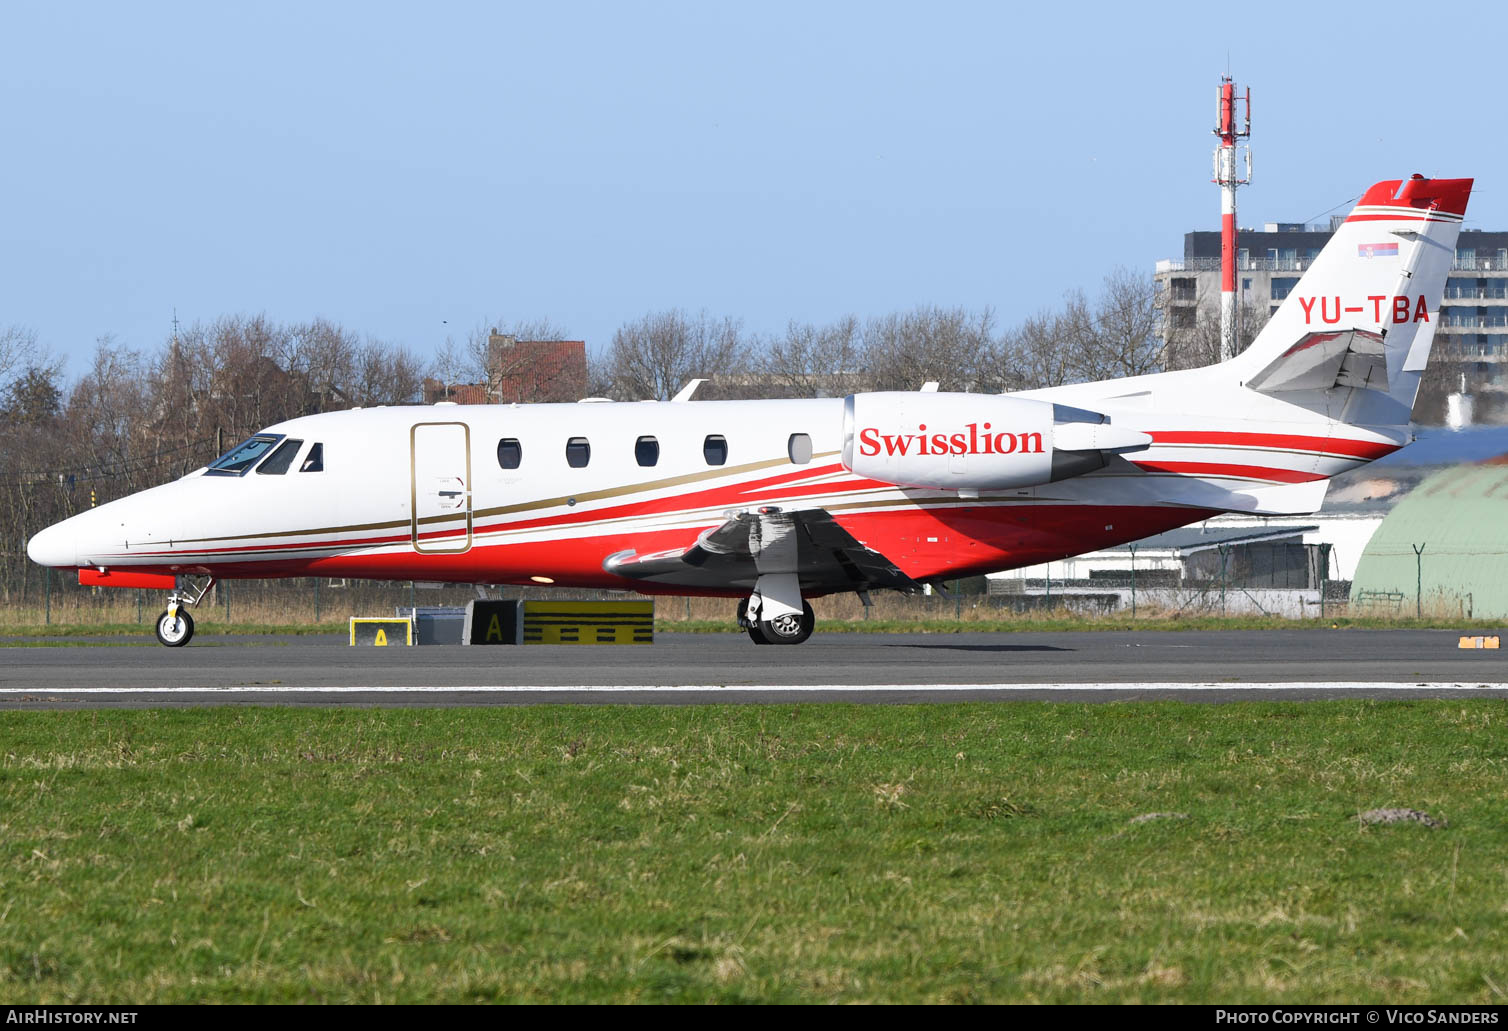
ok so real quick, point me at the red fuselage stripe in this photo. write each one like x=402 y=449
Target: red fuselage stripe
x=1366 y=449
x=1247 y=472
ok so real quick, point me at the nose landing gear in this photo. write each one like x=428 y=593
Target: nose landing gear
x=175 y=627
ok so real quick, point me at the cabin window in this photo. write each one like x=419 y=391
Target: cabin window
x=239 y=459
x=281 y=458
x=578 y=452
x=799 y=447
x=314 y=462
x=715 y=449
x=510 y=453
x=647 y=451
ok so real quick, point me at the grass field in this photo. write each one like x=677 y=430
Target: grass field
x=777 y=853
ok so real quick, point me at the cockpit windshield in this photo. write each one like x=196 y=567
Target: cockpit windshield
x=281 y=458
x=243 y=456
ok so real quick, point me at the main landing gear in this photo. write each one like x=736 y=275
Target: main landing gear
x=771 y=616
x=175 y=627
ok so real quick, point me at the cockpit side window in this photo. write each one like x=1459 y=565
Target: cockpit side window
x=281 y=458
x=314 y=462
x=239 y=459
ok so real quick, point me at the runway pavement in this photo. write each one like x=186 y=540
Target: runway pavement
x=701 y=668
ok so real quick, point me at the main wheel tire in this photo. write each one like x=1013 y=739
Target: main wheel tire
x=789 y=628
x=175 y=632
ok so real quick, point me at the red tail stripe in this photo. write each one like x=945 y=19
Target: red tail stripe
x=1367 y=449
x=1395 y=218
x=1419 y=194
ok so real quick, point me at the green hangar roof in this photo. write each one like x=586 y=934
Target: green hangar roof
x=1448 y=536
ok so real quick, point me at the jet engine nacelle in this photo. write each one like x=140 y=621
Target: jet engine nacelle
x=957 y=441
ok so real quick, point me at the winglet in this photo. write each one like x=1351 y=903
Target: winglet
x=687 y=391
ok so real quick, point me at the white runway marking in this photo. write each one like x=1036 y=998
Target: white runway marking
x=284 y=689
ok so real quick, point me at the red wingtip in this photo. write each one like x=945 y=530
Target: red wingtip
x=1448 y=195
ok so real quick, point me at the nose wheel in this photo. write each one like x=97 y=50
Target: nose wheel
x=175 y=628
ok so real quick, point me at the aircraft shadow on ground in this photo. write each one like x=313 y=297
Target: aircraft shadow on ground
x=987 y=647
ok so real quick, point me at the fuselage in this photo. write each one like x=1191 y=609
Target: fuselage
x=548 y=493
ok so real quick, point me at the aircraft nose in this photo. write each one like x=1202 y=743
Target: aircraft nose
x=55 y=546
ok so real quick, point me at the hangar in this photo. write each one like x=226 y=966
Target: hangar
x=1443 y=549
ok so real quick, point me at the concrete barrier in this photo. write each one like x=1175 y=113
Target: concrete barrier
x=381 y=632
x=492 y=622
x=588 y=622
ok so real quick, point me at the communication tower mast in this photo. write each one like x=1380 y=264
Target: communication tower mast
x=1225 y=175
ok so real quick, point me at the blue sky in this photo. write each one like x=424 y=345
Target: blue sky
x=415 y=170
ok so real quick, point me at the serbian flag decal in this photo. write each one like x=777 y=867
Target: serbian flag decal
x=1377 y=250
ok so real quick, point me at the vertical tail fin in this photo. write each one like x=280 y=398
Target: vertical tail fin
x=1365 y=313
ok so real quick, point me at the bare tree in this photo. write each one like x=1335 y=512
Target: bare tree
x=813 y=361
x=657 y=355
x=106 y=411
x=1119 y=334
x=18 y=349
x=1040 y=352
x=453 y=363
x=904 y=350
x=323 y=358
x=599 y=374
x=1196 y=343
x=1120 y=337
x=384 y=374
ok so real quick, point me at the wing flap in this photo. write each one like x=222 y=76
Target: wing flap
x=810 y=543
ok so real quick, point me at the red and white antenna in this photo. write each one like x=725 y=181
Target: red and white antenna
x=1225 y=175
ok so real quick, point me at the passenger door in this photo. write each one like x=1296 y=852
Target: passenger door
x=440 y=487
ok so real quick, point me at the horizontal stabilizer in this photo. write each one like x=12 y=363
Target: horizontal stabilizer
x=1323 y=361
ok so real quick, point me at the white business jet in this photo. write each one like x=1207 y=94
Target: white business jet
x=777 y=502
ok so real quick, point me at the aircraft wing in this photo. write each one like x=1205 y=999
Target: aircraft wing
x=809 y=543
